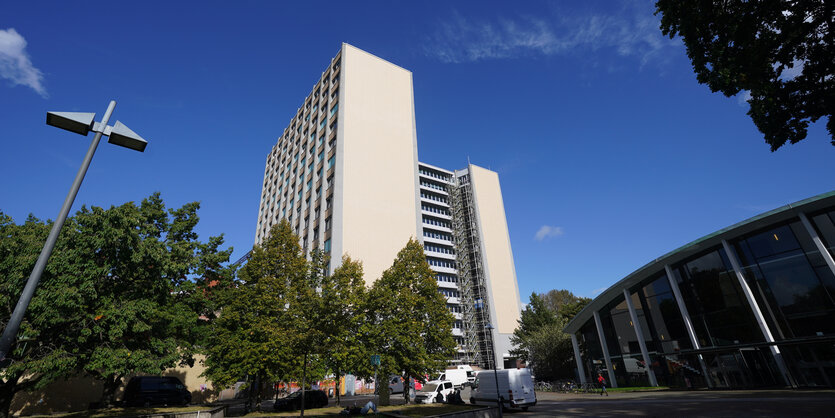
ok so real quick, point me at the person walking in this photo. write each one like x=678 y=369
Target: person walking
x=602 y=382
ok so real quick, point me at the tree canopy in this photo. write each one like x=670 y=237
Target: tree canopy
x=408 y=322
x=343 y=306
x=124 y=292
x=539 y=339
x=780 y=52
x=252 y=335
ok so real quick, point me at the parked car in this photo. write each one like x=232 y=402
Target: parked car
x=395 y=384
x=434 y=391
x=156 y=390
x=292 y=402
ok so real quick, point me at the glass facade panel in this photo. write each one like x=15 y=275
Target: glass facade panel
x=748 y=367
x=719 y=311
x=667 y=331
x=790 y=281
x=788 y=276
x=825 y=225
x=622 y=342
x=812 y=365
x=591 y=351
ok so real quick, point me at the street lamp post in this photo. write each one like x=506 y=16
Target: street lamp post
x=489 y=329
x=80 y=123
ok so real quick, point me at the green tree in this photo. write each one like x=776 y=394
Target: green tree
x=343 y=307
x=142 y=275
x=39 y=352
x=408 y=322
x=306 y=321
x=252 y=335
x=781 y=52
x=539 y=339
x=123 y=293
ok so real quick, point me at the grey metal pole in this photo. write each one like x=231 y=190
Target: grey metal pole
x=688 y=323
x=12 y=327
x=639 y=334
x=580 y=369
x=758 y=314
x=613 y=383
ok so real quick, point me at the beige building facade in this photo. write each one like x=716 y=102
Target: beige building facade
x=345 y=174
x=346 y=164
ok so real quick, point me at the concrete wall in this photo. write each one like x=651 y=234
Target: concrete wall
x=375 y=202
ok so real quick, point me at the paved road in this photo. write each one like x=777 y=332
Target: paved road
x=772 y=403
x=700 y=403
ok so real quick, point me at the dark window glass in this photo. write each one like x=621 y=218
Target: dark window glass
x=825 y=225
x=624 y=350
x=590 y=349
x=789 y=279
x=658 y=305
x=719 y=311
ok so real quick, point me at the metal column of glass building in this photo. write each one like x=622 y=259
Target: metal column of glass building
x=749 y=306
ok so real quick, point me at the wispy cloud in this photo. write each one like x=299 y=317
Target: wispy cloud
x=15 y=64
x=546 y=231
x=596 y=292
x=628 y=32
x=743 y=97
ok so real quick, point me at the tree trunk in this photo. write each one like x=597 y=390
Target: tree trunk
x=111 y=384
x=258 y=392
x=406 y=389
x=304 y=375
x=336 y=385
x=7 y=392
x=383 y=392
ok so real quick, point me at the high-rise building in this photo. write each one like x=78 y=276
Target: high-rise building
x=345 y=174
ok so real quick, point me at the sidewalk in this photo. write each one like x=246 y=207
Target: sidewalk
x=686 y=394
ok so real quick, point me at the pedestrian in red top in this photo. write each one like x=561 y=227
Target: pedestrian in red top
x=602 y=383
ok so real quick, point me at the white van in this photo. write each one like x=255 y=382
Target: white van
x=430 y=391
x=515 y=388
x=458 y=377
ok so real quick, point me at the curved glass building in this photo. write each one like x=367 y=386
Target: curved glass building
x=751 y=305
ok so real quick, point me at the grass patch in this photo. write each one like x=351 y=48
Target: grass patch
x=637 y=389
x=413 y=410
x=121 y=412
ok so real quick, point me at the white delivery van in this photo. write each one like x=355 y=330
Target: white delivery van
x=470 y=372
x=515 y=388
x=458 y=377
x=430 y=392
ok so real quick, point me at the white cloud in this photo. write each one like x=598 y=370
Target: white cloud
x=546 y=231
x=596 y=292
x=15 y=64
x=630 y=33
x=743 y=97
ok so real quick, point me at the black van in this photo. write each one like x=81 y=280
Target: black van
x=156 y=390
x=312 y=399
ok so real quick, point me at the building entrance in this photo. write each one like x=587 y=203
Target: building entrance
x=741 y=368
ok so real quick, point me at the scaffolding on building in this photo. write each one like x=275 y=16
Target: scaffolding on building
x=476 y=309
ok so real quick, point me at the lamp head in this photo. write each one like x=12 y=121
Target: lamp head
x=80 y=123
x=122 y=135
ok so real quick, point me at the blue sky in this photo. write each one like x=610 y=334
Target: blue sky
x=608 y=150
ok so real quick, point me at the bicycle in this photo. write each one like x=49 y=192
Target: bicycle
x=543 y=386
